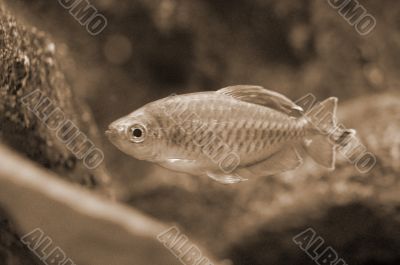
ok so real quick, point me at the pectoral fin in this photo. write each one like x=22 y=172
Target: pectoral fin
x=285 y=160
x=264 y=97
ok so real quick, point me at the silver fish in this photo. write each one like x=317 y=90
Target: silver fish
x=231 y=135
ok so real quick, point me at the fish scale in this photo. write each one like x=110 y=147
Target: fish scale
x=239 y=132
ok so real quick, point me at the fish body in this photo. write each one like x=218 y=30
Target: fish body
x=195 y=122
x=230 y=135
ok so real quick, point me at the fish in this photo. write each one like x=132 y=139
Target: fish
x=231 y=135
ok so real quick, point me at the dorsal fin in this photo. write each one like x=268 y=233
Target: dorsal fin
x=264 y=97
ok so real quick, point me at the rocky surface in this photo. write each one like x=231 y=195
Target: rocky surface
x=29 y=64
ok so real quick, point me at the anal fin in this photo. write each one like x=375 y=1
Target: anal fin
x=225 y=178
x=182 y=165
x=322 y=150
x=284 y=160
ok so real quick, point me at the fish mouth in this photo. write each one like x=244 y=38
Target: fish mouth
x=112 y=133
x=109 y=132
x=113 y=136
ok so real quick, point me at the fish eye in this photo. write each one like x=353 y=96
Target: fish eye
x=137 y=133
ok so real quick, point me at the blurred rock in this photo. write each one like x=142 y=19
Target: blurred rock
x=12 y=251
x=89 y=229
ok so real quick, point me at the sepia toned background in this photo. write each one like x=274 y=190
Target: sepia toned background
x=153 y=48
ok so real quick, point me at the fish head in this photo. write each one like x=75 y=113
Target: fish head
x=135 y=135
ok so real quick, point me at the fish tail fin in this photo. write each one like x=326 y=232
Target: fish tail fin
x=322 y=116
x=325 y=135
